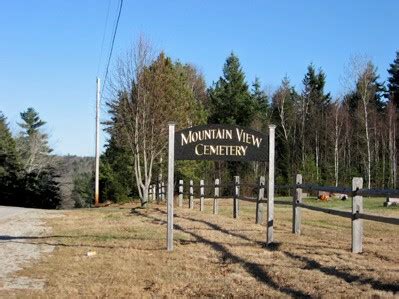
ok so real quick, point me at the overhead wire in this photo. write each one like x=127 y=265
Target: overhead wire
x=112 y=46
x=101 y=56
x=103 y=39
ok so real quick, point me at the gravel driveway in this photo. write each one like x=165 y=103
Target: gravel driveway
x=19 y=227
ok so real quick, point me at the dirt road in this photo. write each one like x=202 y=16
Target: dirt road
x=19 y=228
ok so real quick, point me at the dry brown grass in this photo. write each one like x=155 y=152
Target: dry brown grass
x=215 y=256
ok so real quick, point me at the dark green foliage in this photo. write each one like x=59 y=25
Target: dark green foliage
x=259 y=97
x=83 y=190
x=9 y=164
x=231 y=101
x=116 y=174
x=261 y=102
x=39 y=190
x=36 y=188
x=32 y=121
x=393 y=80
x=316 y=104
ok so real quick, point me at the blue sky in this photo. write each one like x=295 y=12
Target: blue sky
x=50 y=50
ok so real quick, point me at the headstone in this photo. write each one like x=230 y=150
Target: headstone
x=391 y=201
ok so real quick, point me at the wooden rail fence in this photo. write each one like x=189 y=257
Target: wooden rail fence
x=235 y=191
x=357 y=215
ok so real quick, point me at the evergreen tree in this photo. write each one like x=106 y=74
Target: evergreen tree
x=38 y=185
x=83 y=190
x=9 y=164
x=116 y=180
x=315 y=103
x=40 y=189
x=31 y=121
x=230 y=98
x=32 y=143
x=261 y=102
x=232 y=103
x=393 y=81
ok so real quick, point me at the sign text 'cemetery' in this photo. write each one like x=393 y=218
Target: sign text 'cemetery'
x=220 y=142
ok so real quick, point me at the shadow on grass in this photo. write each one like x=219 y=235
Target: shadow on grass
x=214 y=226
x=310 y=263
x=348 y=277
x=254 y=269
x=44 y=240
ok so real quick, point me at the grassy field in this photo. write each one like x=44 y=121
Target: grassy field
x=215 y=255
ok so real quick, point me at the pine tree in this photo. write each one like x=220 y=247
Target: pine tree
x=38 y=186
x=32 y=143
x=9 y=164
x=32 y=121
x=261 y=102
x=116 y=180
x=230 y=98
x=315 y=103
x=393 y=81
x=83 y=190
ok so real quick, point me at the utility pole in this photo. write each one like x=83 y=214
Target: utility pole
x=97 y=178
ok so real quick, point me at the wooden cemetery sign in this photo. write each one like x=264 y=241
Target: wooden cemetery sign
x=220 y=143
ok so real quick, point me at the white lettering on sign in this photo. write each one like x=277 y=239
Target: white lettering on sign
x=215 y=134
x=209 y=134
x=220 y=150
x=243 y=136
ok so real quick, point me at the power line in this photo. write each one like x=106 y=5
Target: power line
x=103 y=39
x=112 y=45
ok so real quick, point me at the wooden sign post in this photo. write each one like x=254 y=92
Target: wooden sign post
x=270 y=189
x=171 y=170
x=220 y=143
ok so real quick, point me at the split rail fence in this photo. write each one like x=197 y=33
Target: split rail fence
x=357 y=215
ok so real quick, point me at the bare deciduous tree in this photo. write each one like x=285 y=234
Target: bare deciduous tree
x=148 y=93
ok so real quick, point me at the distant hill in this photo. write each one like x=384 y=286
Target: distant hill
x=67 y=168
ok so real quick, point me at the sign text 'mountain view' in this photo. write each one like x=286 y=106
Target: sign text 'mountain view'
x=220 y=142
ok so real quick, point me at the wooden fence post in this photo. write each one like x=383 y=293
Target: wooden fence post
x=270 y=188
x=236 y=203
x=296 y=210
x=180 y=193
x=163 y=192
x=191 y=195
x=357 y=223
x=216 y=198
x=261 y=195
x=149 y=193
x=202 y=195
x=159 y=188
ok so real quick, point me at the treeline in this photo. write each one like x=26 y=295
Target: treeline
x=329 y=140
x=32 y=176
x=27 y=174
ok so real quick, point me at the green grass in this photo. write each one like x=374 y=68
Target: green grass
x=369 y=204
